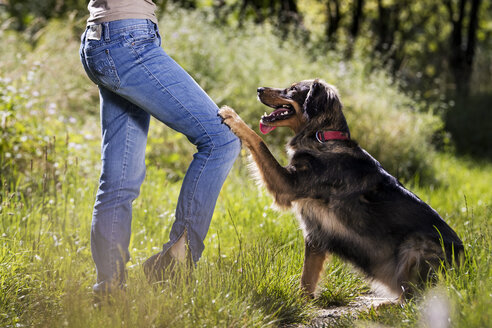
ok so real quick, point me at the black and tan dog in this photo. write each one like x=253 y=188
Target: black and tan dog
x=347 y=204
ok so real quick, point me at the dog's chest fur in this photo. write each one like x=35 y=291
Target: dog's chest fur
x=324 y=231
x=314 y=215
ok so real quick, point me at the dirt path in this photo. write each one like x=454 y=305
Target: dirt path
x=328 y=316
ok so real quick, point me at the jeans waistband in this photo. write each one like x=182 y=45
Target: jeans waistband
x=109 y=29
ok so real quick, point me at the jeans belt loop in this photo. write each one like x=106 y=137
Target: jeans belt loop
x=106 y=31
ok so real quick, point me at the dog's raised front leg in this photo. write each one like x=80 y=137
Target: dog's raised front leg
x=313 y=266
x=278 y=179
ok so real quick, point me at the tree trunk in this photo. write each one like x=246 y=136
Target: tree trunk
x=382 y=28
x=333 y=13
x=471 y=42
x=461 y=54
x=357 y=14
x=288 y=12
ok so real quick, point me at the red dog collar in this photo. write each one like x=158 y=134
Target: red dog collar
x=323 y=136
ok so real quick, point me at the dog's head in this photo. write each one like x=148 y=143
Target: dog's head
x=307 y=102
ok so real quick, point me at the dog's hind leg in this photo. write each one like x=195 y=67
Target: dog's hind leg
x=418 y=261
x=313 y=266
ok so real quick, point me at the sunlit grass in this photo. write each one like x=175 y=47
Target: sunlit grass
x=249 y=273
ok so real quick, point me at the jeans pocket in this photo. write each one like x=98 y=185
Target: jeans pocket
x=140 y=37
x=139 y=41
x=103 y=69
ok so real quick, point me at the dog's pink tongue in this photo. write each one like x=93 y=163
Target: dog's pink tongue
x=265 y=128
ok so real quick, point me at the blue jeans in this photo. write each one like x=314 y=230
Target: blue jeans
x=137 y=79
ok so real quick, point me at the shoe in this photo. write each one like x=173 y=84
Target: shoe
x=156 y=267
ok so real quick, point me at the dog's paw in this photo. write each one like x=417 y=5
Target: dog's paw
x=228 y=114
x=237 y=125
x=231 y=119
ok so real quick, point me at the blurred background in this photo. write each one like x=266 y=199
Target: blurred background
x=415 y=76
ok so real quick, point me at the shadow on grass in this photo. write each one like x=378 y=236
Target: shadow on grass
x=273 y=273
x=340 y=285
x=283 y=303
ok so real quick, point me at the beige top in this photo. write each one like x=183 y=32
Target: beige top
x=110 y=10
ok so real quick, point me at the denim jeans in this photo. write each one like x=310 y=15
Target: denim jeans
x=136 y=79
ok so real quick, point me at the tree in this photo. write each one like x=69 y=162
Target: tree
x=463 y=42
x=357 y=15
x=333 y=20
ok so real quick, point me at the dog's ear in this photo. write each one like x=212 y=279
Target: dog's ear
x=321 y=98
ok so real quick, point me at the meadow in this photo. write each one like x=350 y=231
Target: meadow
x=249 y=273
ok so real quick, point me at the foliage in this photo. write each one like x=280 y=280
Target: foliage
x=438 y=50
x=377 y=112
x=249 y=272
x=34 y=124
x=427 y=42
x=431 y=45
x=390 y=125
x=470 y=124
x=19 y=140
x=28 y=13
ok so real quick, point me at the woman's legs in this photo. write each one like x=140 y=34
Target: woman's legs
x=144 y=78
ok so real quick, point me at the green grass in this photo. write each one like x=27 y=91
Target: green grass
x=249 y=273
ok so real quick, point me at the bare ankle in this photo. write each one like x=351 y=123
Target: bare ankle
x=178 y=250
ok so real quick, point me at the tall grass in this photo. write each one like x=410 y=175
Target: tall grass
x=249 y=273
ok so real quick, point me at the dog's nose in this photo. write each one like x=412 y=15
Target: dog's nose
x=260 y=90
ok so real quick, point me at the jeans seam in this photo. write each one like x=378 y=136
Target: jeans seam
x=195 y=184
x=118 y=196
